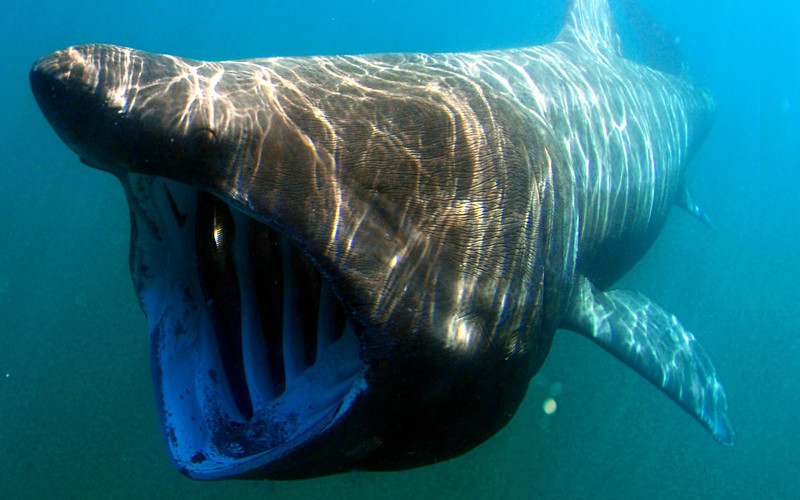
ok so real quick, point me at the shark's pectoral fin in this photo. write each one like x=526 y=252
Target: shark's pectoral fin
x=688 y=203
x=652 y=342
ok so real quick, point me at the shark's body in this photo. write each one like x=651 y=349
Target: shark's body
x=360 y=262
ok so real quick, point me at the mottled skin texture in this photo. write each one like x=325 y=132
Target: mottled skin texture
x=447 y=144
x=452 y=202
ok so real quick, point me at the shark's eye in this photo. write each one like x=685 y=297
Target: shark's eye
x=202 y=142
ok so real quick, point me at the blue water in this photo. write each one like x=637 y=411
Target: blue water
x=77 y=419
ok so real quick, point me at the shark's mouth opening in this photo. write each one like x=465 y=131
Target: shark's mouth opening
x=252 y=353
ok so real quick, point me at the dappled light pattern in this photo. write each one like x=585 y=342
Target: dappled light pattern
x=361 y=261
x=654 y=343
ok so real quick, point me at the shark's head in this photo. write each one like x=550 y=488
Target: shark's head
x=108 y=104
x=329 y=285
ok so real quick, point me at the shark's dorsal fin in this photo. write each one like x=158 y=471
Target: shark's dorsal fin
x=589 y=24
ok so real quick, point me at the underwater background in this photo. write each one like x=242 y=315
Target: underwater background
x=77 y=416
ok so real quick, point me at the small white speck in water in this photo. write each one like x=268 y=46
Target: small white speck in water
x=550 y=406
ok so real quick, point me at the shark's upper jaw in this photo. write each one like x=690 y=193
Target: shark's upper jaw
x=252 y=354
x=65 y=94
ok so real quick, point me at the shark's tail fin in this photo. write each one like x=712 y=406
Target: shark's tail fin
x=589 y=24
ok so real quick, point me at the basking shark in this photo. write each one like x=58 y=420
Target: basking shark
x=361 y=262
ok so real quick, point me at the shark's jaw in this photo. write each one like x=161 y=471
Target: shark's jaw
x=261 y=370
x=252 y=353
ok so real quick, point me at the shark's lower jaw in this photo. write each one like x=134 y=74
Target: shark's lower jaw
x=252 y=354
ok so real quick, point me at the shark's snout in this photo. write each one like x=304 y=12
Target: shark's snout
x=61 y=88
x=71 y=88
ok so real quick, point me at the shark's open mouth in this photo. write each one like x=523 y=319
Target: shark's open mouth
x=252 y=353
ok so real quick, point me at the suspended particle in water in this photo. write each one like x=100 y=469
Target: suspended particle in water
x=556 y=389
x=550 y=406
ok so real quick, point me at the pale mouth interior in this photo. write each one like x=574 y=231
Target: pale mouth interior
x=253 y=355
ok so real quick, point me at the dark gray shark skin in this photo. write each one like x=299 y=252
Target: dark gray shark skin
x=360 y=262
